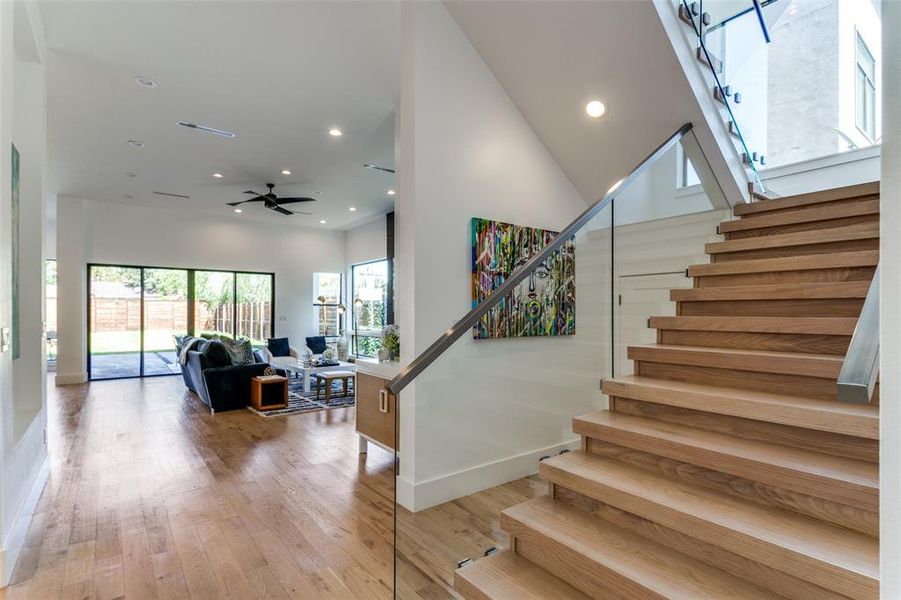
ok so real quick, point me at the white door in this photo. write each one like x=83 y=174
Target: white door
x=640 y=297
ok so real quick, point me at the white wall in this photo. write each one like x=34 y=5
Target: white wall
x=367 y=242
x=23 y=453
x=890 y=309
x=487 y=410
x=90 y=231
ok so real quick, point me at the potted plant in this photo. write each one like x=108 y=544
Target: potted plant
x=391 y=341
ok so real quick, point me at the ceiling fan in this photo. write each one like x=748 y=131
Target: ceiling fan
x=273 y=202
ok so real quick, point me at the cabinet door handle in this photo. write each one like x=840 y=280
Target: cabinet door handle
x=383 y=401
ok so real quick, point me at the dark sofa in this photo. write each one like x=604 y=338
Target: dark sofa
x=221 y=385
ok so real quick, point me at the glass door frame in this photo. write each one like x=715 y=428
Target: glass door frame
x=190 y=307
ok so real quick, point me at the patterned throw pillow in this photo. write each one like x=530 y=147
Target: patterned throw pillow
x=240 y=351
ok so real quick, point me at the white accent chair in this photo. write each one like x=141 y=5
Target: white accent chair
x=296 y=354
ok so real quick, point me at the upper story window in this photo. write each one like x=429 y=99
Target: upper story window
x=865 y=88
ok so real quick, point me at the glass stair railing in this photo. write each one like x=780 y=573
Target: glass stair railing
x=732 y=37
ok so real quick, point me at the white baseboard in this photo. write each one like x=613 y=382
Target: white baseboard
x=15 y=539
x=426 y=494
x=71 y=378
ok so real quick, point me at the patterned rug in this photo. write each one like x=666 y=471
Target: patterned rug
x=300 y=402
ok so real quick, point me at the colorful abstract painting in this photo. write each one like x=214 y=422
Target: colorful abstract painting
x=544 y=304
x=15 y=252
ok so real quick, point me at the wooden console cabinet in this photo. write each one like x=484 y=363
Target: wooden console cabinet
x=376 y=411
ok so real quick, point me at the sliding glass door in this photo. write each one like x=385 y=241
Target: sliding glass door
x=165 y=316
x=114 y=322
x=135 y=313
x=214 y=303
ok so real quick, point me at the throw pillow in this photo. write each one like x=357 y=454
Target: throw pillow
x=217 y=354
x=316 y=344
x=241 y=351
x=278 y=346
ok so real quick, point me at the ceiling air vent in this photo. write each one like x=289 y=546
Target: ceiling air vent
x=173 y=195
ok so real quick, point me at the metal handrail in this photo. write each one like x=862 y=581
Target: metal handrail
x=860 y=369
x=447 y=339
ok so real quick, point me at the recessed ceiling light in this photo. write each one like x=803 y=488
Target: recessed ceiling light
x=213 y=130
x=335 y=132
x=323 y=221
x=595 y=109
x=145 y=81
x=218 y=175
x=238 y=210
x=352 y=209
x=135 y=144
x=318 y=192
x=390 y=192
x=286 y=172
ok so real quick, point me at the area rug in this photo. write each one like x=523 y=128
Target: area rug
x=300 y=402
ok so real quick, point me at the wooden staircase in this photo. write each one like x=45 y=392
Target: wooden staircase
x=725 y=467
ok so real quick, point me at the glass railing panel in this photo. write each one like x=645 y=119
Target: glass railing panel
x=800 y=79
x=476 y=422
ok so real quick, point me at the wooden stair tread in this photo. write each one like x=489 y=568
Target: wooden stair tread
x=861 y=231
x=656 y=571
x=825 y=366
x=802 y=325
x=506 y=576
x=782 y=291
x=841 y=193
x=807 y=214
x=843 y=480
x=831 y=556
x=859 y=420
x=837 y=260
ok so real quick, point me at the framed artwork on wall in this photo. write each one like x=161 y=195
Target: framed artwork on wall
x=14 y=213
x=544 y=304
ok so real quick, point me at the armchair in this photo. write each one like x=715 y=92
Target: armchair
x=294 y=354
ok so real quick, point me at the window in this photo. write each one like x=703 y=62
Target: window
x=327 y=303
x=369 y=283
x=865 y=87
x=50 y=294
x=685 y=171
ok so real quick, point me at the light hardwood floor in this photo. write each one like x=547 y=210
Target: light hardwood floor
x=151 y=497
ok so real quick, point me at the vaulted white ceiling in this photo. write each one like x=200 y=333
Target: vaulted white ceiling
x=278 y=74
x=552 y=57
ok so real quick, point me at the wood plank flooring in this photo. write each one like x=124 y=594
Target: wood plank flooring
x=151 y=497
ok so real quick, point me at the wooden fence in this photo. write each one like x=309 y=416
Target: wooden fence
x=124 y=314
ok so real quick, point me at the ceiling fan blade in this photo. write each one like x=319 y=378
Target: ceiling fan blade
x=252 y=192
x=257 y=199
x=293 y=200
x=279 y=209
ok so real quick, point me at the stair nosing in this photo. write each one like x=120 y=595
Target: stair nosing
x=831 y=290
x=839 y=326
x=859 y=190
x=842 y=260
x=797 y=216
x=823 y=366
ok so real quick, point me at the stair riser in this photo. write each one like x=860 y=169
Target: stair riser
x=762 y=493
x=809 y=387
x=731 y=540
x=809 y=439
x=587 y=576
x=736 y=474
x=796 y=227
x=778 y=342
x=779 y=582
x=808 y=276
x=805 y=250
x=843 y=307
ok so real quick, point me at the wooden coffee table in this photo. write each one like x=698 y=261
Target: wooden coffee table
x=309 y=372
x=328 y=376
